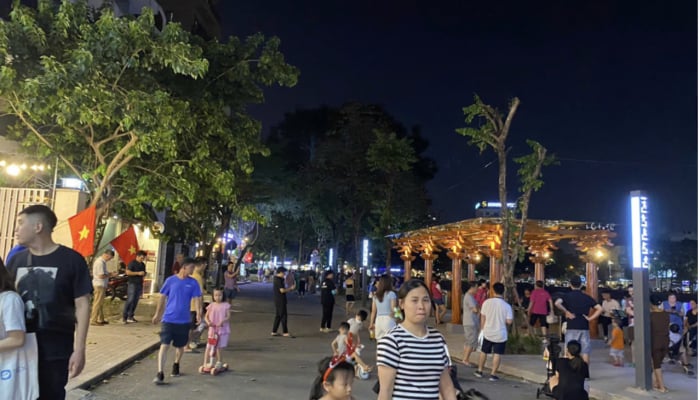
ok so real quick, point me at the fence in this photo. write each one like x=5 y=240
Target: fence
x=12 y=201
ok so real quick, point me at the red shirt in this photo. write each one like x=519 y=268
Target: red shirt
x=539 y=299
x=481 y=295
x=437 y=293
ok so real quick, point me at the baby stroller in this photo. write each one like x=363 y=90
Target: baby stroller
x=551 y=355
x=676 y=349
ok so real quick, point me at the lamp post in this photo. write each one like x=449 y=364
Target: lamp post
x=639 y=212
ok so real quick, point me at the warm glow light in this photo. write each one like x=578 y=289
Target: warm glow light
x=12 y=170
x=599 y=254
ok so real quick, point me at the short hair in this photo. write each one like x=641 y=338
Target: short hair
x=6 y=282
x=141 y=253
x=539 y=284
x=481 y=282
x=344 y=325
x=188 y=261
x=575 y=282
x=362 y=314
x=46 y=214
x=110 y=252
x=499 y=288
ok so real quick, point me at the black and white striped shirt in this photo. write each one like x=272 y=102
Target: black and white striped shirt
x=418 y=361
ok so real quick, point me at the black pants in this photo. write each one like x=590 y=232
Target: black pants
x=605 y=321
x=280 y=316
x=53 y=376
x=327 y=315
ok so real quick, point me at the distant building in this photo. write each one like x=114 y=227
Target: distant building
x=490 y=209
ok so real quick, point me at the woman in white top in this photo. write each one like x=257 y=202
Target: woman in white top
x=18 y=350
x=383 y=305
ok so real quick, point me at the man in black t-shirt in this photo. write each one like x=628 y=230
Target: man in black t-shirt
x=135 y=272
x=576 y=305
x=54 y=282
x=279 y=292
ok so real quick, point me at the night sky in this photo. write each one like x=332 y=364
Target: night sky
x=609 y=87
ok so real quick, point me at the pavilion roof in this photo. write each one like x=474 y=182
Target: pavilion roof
x=483 y=234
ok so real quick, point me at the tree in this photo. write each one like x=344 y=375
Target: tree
x=140 y=115
x=491 y=132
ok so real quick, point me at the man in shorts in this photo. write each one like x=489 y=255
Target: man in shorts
x=576 y=306
x=537 y=310
x=176 y=294
x=496 y=315
x=470 y=323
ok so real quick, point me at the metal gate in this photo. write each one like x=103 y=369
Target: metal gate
x=12 y=201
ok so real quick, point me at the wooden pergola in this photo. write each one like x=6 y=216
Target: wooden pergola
x=469 y=239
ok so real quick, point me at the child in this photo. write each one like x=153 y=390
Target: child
x=345 y=345
x=217 y=318
x=334 y=380
x=356 y=324
x=617 y=344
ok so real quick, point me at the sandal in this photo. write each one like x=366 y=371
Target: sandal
x=664 y=390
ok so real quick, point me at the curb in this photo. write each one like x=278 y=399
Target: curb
x=81 y=392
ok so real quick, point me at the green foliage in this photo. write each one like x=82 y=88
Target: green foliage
x=521 y=344
x=140 y=115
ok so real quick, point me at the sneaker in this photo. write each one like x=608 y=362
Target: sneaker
x=478 y=374
x=322 y=330
x=131 y=321
x=124 y=322
x=176 y=370
x=159 y=379
x=493 y=378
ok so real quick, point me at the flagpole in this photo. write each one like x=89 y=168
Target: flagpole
x=53 y=187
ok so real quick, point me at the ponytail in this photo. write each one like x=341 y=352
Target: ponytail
x=574 y=349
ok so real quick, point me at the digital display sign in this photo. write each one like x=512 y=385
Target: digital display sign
x=639 y=205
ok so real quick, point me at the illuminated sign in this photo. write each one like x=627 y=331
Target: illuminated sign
x=330 y=257
x=492 y=204
x=365 y=252
x=640 y=230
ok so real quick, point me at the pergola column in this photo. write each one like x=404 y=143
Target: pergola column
x=456 y=286
x=428 y=259
x=407 y=260
x=472 y=260
x=495 y=269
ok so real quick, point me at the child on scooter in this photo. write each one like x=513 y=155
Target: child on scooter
x=217 y=318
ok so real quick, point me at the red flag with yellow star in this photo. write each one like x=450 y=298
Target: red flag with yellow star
x=82 y=231
x=126 y=245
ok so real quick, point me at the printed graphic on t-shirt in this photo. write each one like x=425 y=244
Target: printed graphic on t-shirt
x=36 y=285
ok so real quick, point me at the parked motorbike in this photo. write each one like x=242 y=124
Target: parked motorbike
x=117 y=287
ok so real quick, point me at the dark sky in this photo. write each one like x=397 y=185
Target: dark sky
x=609 y=87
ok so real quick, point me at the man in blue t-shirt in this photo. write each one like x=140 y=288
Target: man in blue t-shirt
x=576 y=305
x=176 y=294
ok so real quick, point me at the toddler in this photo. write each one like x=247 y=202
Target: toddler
x=617 y=344
x=334 y=380
x=345 y=345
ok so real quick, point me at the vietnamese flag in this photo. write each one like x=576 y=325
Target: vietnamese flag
x=82 y=231
x=126 y=245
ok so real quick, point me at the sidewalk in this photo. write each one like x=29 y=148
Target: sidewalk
x=607 y=382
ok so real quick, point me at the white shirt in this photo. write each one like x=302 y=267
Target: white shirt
x=99 y=267
x=496 y=311
x=355 y=327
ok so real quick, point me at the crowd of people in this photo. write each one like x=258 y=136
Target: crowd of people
x=47 y=334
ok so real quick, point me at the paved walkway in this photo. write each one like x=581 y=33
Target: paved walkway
x=114 y=346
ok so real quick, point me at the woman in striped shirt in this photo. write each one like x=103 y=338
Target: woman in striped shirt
x=412 y=359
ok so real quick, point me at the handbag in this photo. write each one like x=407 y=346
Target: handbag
x=19 y=376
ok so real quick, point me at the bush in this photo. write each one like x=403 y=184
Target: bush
x=521 y=344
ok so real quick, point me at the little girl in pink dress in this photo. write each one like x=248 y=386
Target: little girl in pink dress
x=217 y=319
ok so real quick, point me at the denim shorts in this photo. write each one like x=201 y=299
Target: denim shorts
x=580 y=335
x=177 y=334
